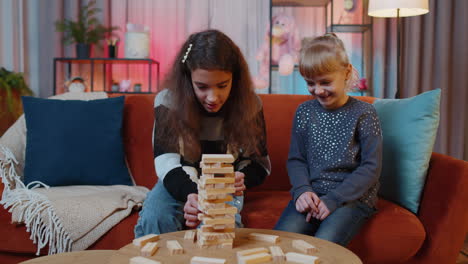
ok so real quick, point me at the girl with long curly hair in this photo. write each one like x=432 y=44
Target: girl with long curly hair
x=209 y=106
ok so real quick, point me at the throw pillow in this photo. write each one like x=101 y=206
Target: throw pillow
x=15 y=137
x=409 y=128
x=75 y=142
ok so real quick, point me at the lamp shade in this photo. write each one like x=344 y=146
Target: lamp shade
x=388 y=8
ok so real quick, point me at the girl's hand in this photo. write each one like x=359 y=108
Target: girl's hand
x=323 y=212
x=191 y=211
x=307 y=202
x=239 y=183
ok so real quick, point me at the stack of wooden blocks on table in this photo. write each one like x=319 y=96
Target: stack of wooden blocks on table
x=215 y=186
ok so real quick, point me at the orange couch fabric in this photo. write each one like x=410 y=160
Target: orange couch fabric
x=393 y=235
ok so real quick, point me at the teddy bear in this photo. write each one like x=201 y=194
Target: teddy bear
x=285 y=46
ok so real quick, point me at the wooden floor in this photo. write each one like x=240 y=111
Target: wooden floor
x=463 y=257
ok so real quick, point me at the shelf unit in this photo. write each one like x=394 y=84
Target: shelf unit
x=104 y=63
x=360 y=29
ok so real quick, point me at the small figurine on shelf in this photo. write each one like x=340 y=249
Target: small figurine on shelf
x=125 y=85
x=137 y=87
x=115 y=87
x=76 y=85
x=112 y=47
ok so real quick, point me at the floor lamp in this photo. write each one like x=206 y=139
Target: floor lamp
x=398 y=9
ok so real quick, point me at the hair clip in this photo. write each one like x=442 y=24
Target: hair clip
x=187 y=53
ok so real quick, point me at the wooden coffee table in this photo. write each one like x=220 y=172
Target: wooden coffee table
x=78 y=257
x=328 y=252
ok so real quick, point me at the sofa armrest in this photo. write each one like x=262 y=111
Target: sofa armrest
x=443 y=210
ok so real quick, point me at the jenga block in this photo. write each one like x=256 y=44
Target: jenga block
x=217 y=221
x=149 y=249
x=220 y=191
x=223 y=196
x=228 y=198
x=303 y=246
x=202 y=241
x=141 y=241
x=204 y=260
x=253 y=251
x=220 y=227
x=229 y=209
x=217 y=235
x=190 y=235
x=215 y=158
x=221 y=170
x=264 y=237
x=203 y=205
x=277 y=254
x=254 y=259
x=205 y=181
x=142 y=260
x=174 y=247
x=210 y=228
x=301 y=258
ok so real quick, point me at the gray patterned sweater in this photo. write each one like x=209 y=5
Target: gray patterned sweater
x=336 y=153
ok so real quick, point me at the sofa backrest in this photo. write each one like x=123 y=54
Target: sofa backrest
x=279 y=110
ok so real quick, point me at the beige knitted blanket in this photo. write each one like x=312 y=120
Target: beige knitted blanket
x=67 y=218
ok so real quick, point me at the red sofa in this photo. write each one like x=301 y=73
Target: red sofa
x=393 y=235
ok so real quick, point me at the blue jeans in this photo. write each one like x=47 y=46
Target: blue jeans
x=339 y=227
x=161 y=213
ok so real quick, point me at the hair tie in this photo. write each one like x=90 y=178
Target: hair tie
x=187 y=53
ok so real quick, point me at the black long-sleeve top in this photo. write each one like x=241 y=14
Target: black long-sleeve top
x=175 y=171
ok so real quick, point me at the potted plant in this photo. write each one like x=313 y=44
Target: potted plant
x=12 y=87
x=84 y=32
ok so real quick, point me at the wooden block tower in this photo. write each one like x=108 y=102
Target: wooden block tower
x=214 y=188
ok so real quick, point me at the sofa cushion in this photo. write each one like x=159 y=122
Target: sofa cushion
x=75 y=142
x=393 y=235
x=409 y=128
x=262 y=209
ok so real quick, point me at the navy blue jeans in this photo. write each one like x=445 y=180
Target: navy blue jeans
x=339 y=227
x=161 y=213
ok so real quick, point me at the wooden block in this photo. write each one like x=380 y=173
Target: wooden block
x=211 y=228
x=214 y=158
x=141 y=241
x=229 y=209
x=253 y=251
x=217 y=235
x=149 y=249
x=301 y=258
x=303 y=246
x=223 y=227
x=205 y=181
x=174 y=247
x=204 y=260
x=277 y=254
x=264 y=237
x=214 y=197
x=142 y=260
x=203 y=205
x=228 y=198
x=254 y=259
x=217 y=221
x=222 y=170
x=190 y=235
x=205 y=242
x=220 y=191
